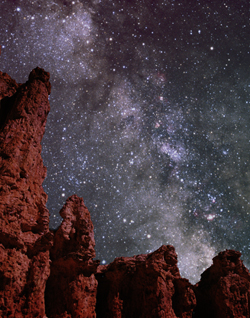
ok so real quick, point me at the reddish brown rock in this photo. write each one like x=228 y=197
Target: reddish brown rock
x=147 y=286
x=8 y=86
x=224 y=288
x=76 y=233
x=72 y=286
x=24 y=219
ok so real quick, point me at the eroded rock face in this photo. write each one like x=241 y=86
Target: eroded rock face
x=72 y=286
x=8 y=86
x=76 y=233
x=147 y=286
x=24 y=218
x=224 y=288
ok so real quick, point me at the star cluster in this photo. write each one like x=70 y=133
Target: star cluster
x=149 y=119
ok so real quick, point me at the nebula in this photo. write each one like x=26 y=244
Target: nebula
x=148 y=123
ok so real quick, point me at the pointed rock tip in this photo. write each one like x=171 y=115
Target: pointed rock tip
x=42 y=75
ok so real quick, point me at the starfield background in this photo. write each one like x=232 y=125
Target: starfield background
x=149 y=119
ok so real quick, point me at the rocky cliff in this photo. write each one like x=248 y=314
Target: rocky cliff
x=24 y=219
x=46 y=273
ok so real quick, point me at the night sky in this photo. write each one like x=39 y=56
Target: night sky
x=149 y=119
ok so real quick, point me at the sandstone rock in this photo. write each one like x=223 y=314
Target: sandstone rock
x=224 y=288
x=72 y=286
x=76 y=233
x=8 y=86
x=24 y=219
x=144 y=286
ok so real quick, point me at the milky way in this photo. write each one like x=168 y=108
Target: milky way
x=149 y=119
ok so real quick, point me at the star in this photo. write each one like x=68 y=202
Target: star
x=149 y=120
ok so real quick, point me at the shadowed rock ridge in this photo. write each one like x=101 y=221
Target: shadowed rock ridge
x=47 y=273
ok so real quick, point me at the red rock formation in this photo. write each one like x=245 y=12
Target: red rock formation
x=8 y=86
x=24 y=219
x=224 y=288
x=72 y=286
x=34 y=263
x=147 y=286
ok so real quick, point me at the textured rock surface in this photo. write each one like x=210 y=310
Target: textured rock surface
x=24 y=219
x=224 y=288
x=52 y=273
x=8 y=86
x=75 y=236
x=72 y=286
x=144 y=286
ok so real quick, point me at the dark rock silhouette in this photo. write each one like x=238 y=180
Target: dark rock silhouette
x=224 y=288
x=51 y=274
